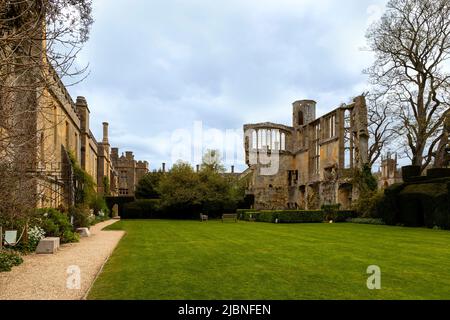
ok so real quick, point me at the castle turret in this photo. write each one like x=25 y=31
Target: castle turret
x=304 y=112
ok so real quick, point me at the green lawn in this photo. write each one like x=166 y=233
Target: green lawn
x=214 y=260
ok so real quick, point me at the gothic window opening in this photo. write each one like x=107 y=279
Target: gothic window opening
x=283 y=141
x=300 y=118
x=316 y=149
x=348 y=143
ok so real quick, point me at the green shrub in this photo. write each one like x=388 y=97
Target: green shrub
x=409 y=172
x=143 y=209
x=344 y=215
x=419 y=204
x=293 y=216
x=387 y=207
x=266 y=216
x=330 y=211
x=81 y=216
x=367 y=203
x=242 y=213
x=99 y=219
x=9 y=259
x=98 y=204
x=57 y=224
x=247 y=214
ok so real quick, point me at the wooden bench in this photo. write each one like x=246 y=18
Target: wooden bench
x=230 y=216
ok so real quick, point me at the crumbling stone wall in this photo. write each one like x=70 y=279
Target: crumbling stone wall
x=310 y=163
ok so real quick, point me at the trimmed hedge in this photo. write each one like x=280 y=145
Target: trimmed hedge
x=345 y=215
x=293 y=216
x=142 y=209
x=417 y=204
x=308 y=216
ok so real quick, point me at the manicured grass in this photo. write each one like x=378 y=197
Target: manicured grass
x=214 y=260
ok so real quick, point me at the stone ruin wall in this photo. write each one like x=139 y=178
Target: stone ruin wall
x=316 y=158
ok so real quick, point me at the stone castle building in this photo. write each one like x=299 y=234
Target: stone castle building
x=68 y=131
x=389 y=172
x=310 y=163
x=60 y=129
x=42 y=130
x=129 y=171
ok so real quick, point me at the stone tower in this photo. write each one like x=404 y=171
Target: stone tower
x=304 y=112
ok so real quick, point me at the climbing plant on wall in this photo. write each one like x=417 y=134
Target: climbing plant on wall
x=84 y=183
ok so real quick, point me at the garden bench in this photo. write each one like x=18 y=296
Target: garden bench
x=203 y=217
x=230 y=216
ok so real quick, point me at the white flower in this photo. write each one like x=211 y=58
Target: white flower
x=36 y=233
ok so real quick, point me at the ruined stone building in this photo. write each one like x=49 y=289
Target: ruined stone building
x=129 y=171
x=309 y=163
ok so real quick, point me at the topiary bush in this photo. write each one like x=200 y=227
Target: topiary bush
x=9 y=259
x=387 y=207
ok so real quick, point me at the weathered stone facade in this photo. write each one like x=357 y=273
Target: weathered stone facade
x=129 y=171
x=309 y=163
x=67 y=130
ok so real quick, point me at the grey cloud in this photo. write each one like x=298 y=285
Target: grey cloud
x=161 y=65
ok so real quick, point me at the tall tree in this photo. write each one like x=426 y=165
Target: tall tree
x=212 y=160
x=411 y=43
x=380 y=120
x=147 y=187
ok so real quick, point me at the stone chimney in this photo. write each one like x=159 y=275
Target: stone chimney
x=105 y=133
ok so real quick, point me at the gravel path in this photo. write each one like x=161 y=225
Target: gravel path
x=44 y=277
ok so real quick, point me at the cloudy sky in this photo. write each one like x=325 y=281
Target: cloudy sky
x=161 y=71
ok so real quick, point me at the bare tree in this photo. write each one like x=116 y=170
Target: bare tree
x=412 y=43
x=39 y=43
x=380 y=121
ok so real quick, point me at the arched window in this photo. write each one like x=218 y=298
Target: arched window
x=254 y=140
